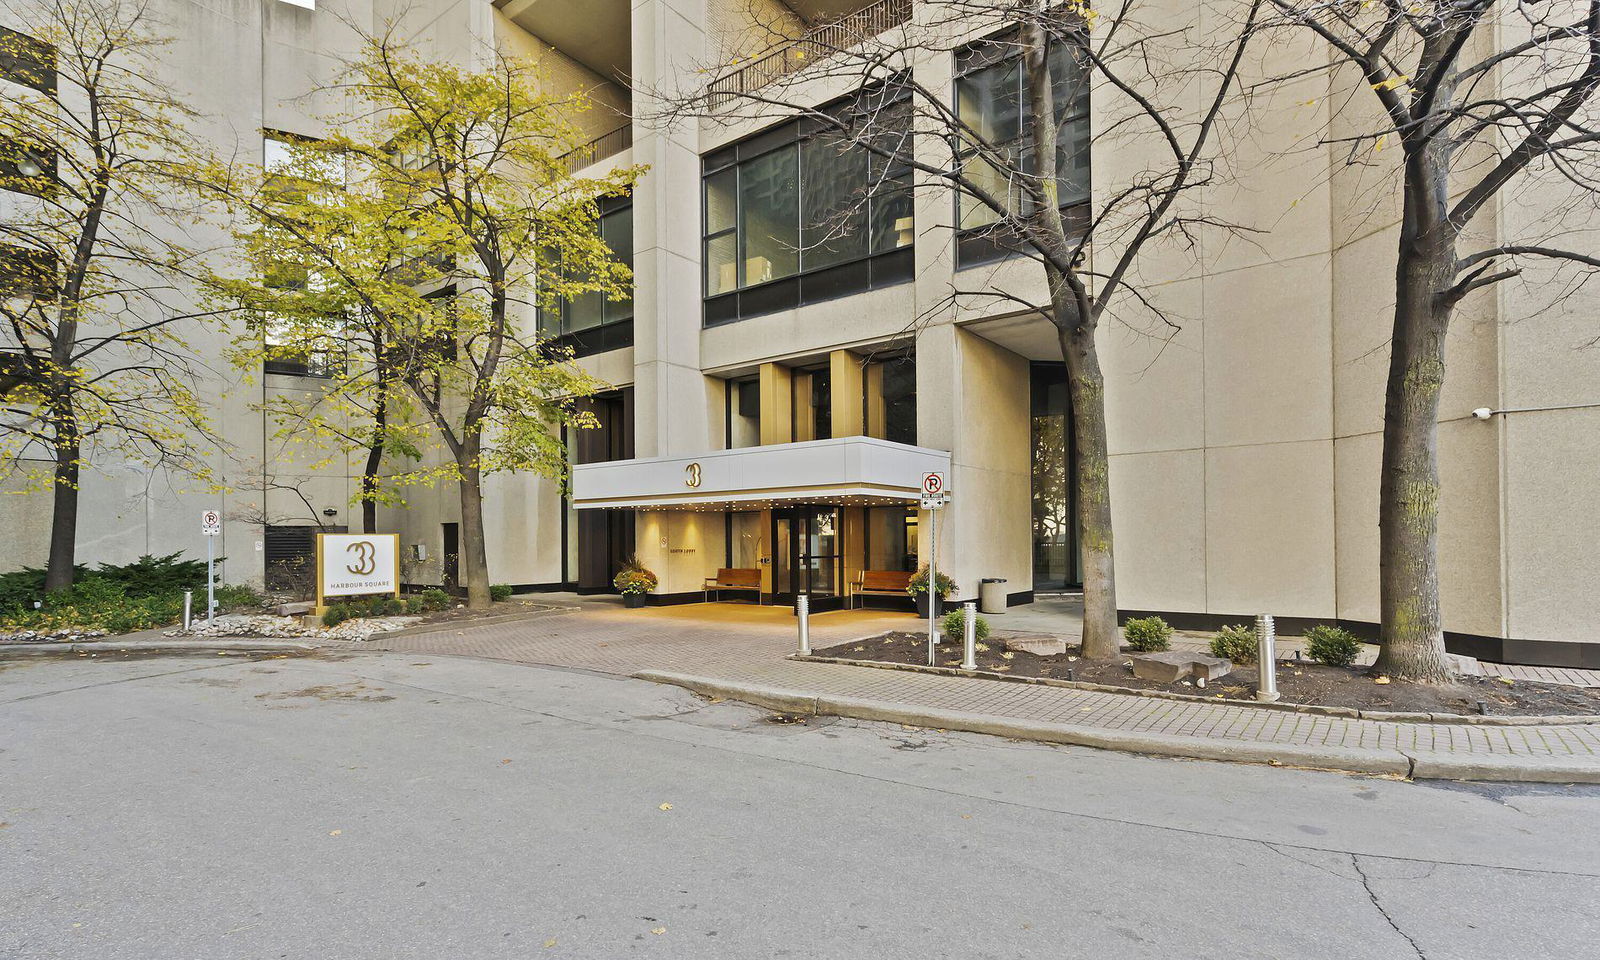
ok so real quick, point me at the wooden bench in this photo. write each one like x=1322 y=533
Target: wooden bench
x=881 y=583
x=733 y=579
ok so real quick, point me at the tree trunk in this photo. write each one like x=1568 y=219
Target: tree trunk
x=63 y=514
x=1412 y=630
x=369 y=487
x=1086 y=387
x=474 y=558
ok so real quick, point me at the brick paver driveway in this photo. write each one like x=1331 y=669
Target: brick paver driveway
x=599 y=634
x=745 y=644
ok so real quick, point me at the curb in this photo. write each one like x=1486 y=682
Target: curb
x=10 y=650
x=1290 y=706
x=1376 y=762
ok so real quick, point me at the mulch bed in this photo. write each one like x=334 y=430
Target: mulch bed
x=1352 y=688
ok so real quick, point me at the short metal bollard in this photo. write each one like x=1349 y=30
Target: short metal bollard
x=969 y=655
x=802 y=612
x=188 y=609
x=1267 y=658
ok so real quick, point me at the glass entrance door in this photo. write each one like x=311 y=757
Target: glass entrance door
x=809 y=558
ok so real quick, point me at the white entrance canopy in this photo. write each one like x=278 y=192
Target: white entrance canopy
x=847 y=470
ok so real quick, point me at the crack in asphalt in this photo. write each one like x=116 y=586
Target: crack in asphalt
x=112 y=683
x=1366 y=884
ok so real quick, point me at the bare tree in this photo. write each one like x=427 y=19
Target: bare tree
x=1478 y=95
x=1024 y=186
x=92 y=154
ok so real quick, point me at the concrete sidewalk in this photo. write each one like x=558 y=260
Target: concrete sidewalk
x=725 y=652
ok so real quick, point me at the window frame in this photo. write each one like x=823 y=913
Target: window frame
x=991 y=242
x=608 y=334
x=807 y=285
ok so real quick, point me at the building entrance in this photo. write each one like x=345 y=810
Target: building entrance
x=808 y=556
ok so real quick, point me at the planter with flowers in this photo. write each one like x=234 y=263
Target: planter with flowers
x=635 y=583
x=918 y=588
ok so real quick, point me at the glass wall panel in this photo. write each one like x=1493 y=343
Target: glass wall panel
x=892 y=226
x=722 y=264
x=1055 y=542
x=617 y=231
x=722 y=203
x=833 y=213
x=891 y=538
x=769 y=203
x=747 y=540
x=992 y=100
x=900 y=400
x=809 y=203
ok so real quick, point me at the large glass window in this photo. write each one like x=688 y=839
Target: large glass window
x=592 y=322
x=28 y=61
x=891 y=396
x=805 y=212
x=1055 y=507
x=813 y=404
x=891 y=538
x=992 y=101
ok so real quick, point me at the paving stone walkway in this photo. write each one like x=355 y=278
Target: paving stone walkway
x=750 y=647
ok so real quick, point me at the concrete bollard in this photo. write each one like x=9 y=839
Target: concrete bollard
x=802 y=613
x=1267 y=658
x=969 y=655
x=188 y=609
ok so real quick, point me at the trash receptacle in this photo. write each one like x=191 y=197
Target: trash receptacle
x=992 y=595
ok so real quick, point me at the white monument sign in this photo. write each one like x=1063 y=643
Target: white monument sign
x=357 y=564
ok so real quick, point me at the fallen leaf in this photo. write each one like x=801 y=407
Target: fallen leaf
x=666 y=806
x=1380 y=680
x=334 y=833
x=658 y=931
x=966 y=816
x=549 y=943
x=505 y=761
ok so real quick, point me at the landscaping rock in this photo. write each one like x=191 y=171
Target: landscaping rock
x=294 y=609
x=1170 y=666
x=290 y=628
x=63 y=635
x=1038 y=646
x=1464 y=666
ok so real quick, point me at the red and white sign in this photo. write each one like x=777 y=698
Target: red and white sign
x=933 y=484
x=210 y=523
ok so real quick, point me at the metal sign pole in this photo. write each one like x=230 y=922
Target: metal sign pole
x=211 y=578
x=933 y=582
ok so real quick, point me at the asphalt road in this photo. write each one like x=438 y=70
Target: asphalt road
x=396 y=806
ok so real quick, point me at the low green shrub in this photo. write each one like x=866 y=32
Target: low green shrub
x=499 y=592
x=1236 y=643
x=1148 y=634
x=954 y=627
x=1334 y=646
x=337 y=614
x=432 y=599
x=235 y=596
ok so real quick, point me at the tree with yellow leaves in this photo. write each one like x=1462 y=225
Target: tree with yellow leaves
x=95 y=164
x=411 y=247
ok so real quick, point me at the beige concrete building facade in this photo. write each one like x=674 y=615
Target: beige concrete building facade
x=775 y=397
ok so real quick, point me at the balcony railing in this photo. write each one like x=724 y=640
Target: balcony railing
x=601 y=147
x=818 y=44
